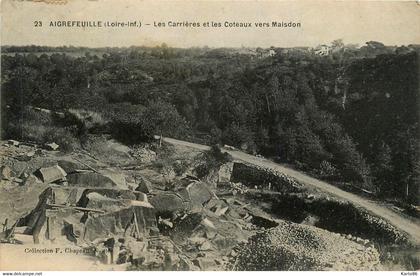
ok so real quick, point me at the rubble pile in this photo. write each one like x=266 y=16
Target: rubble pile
x=143 y=154
x=293 y=246
x=14 y=160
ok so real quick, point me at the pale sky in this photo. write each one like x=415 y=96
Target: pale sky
x=391 y=22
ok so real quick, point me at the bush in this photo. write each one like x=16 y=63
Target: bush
x=42 y=134
x=87 y=121
x=41 y=128
x=64 y=137
x=326 y=169
x=211 y=160
x=180 y=167
x=220 y=157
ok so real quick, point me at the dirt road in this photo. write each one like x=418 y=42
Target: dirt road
x=410 y=227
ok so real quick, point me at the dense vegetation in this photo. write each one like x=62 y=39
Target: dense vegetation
x=350 y=116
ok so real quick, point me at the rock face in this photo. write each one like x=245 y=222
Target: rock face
x=51 y=174
x=191 y=198
x=104 y=178
x=169 y=202
x=113 y=212
x=90 y=179
x=116 y=223
x=293 y=246
x=225 y=172
x=198 y=194
x=263 y=178
x=71 y=166
x=144 y=186
x=6 y=172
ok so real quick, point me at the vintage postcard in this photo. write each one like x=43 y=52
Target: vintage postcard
x=210 y=136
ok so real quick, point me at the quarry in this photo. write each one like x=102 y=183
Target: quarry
x=172 y=207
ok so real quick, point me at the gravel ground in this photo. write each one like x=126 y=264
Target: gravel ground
x=293 y=246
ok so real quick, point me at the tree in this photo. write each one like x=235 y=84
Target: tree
x=337 y=44
x=161 y=118
x=382 y=168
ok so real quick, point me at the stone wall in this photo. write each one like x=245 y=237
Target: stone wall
x=254 y=176
x=335 y=216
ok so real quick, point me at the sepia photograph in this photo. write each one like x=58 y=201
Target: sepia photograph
x=210 y=136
